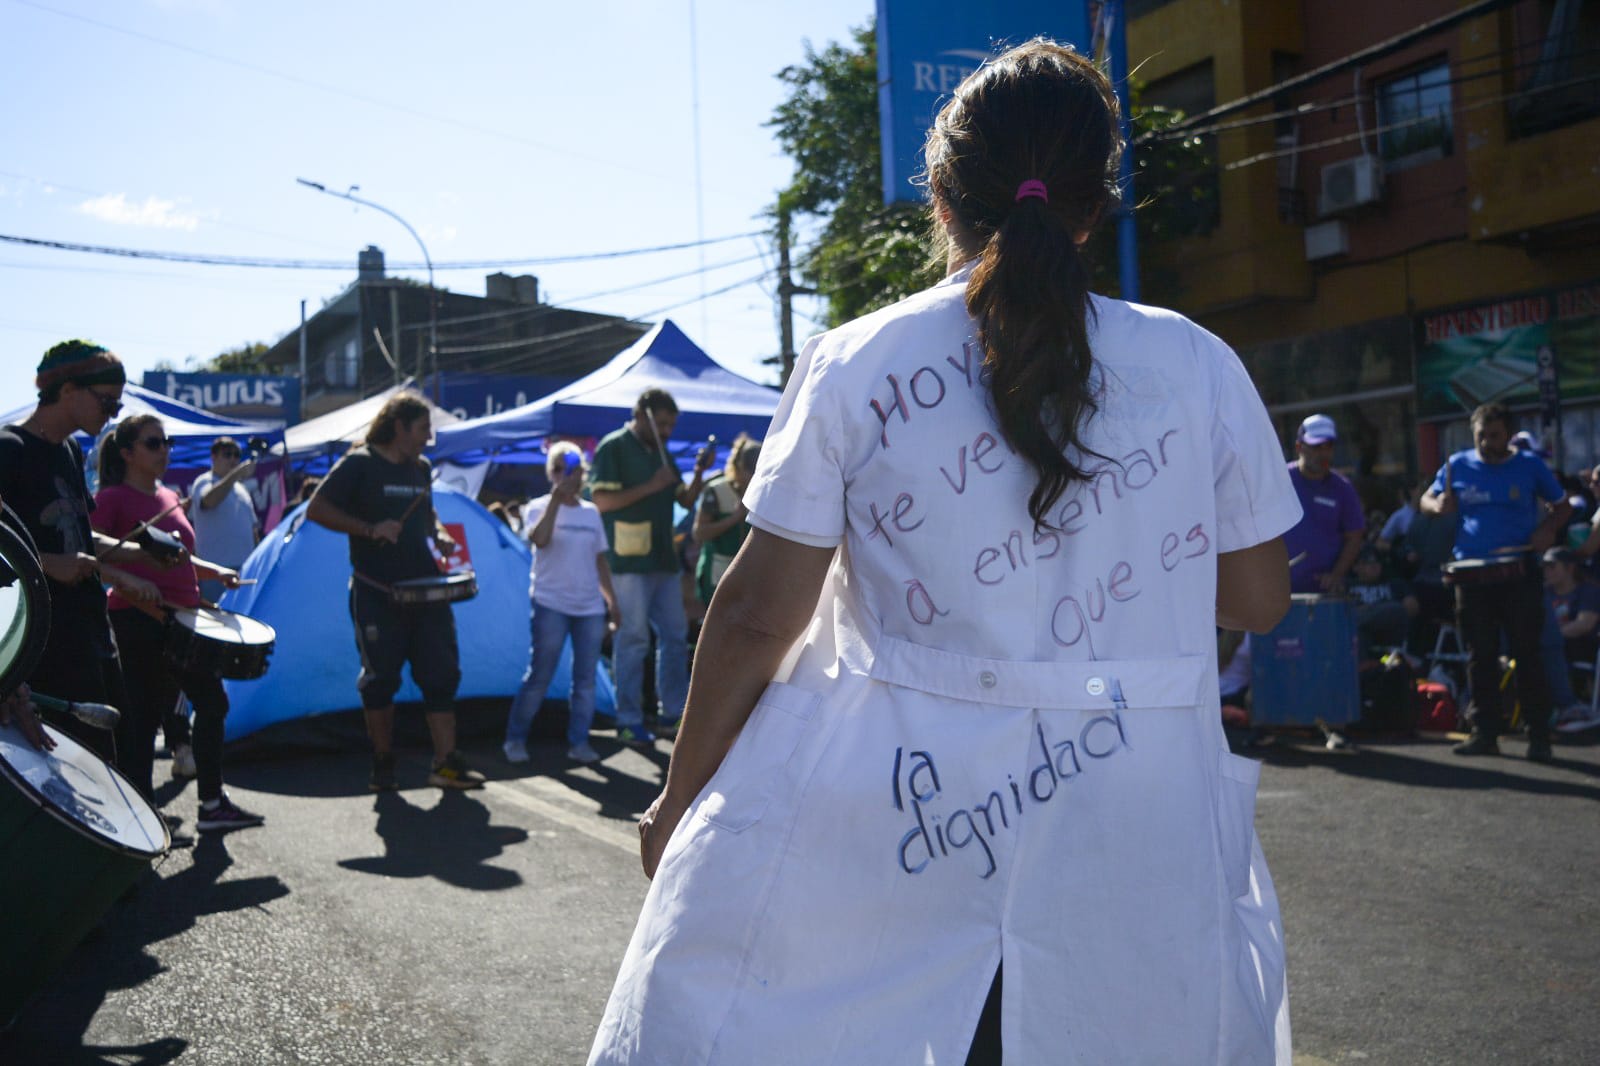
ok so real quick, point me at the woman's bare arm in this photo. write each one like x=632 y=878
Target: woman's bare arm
x=1253 y=587
x=761 y=607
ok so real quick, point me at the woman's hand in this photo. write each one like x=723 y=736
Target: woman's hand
x=655 y=829
x=131 y=588
x=229 y=578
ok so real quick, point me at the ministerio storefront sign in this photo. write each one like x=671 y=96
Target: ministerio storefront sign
x=926 y=49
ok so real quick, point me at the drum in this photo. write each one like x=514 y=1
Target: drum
x=1482 y=571
x=77 y=836
x=214 y=641
x=446 y=588
x=1305 y=670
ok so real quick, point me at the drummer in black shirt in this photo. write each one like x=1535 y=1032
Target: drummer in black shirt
x=41 y=480
x=380 y=496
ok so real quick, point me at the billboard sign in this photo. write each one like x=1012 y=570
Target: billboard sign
x=251 y=397
x=1539 y=349
x=926 y=49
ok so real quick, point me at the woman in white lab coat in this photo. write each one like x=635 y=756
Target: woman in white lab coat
x=955 y=712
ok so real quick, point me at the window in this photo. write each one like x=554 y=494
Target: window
x=1414 y=121
x=341 y=366
x=1183 y=174
x=1558 y=73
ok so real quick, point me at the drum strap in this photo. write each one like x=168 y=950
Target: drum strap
x=387 y=590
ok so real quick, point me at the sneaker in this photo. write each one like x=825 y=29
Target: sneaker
x=667 y=728
x=516 y=751
x=1539 y=750
x=225 y=815
x=382 y=779
x=183 y=763
x=454 y=772
x=583 y=754
x=1478 y=744
x=635 y=736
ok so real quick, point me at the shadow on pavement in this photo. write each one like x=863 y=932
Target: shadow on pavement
x=1426 y=769
x=451 y=841
x=52 y=1025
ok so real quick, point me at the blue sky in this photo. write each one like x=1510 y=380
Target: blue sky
x=498 y=130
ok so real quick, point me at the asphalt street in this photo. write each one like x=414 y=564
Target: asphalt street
x=1438 y=910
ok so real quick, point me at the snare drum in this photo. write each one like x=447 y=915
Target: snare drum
x=211 y=640
x=446 y=588
x=1482 y=571
x=76 y=836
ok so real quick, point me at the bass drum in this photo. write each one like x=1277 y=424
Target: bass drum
x=76 y=836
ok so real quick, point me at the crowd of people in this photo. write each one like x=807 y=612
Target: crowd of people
x=1494 y=545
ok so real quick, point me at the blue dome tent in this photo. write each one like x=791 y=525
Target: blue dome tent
x=302 y=572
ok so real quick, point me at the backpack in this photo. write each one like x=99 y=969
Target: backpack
x=1436 y=708
x=1388 y=696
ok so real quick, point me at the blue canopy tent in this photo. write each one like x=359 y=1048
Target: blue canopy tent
x=711 y=399
x=302 y=572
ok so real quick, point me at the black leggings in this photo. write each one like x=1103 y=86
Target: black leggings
x=153 y=685
x=985 y=1050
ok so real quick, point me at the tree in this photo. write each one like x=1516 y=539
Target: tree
x=245 y=359
x=868 y=255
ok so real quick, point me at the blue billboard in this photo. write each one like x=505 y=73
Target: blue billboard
x=252 y=397
x=926 y=48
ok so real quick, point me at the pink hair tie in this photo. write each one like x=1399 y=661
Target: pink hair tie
x=1030 y=188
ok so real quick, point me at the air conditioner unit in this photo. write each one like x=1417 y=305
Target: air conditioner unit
x=1324 y=240
x=1350 y=183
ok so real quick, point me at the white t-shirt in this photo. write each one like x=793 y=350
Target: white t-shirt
x=564 y=576
x=224 y=534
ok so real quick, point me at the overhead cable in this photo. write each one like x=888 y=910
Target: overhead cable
x=344 y=264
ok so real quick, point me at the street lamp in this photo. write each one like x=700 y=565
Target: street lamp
x=433 y=310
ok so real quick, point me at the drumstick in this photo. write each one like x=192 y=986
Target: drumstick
x=99 y=715
x=661 y=449
x=1298 y=559
x=140 y=528
x=1514 y=548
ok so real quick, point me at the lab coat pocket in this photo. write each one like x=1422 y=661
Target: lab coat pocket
x=1236 y=818
x=753 y=770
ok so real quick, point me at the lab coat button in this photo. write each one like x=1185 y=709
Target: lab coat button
x=987 y=679
x=1096 y=686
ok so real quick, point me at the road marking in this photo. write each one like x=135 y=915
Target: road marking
x=590 y=825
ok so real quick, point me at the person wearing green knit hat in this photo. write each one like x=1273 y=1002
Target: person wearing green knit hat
x=42 y=481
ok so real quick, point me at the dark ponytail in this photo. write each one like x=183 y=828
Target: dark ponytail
x=113 y=467
x=1039 y=115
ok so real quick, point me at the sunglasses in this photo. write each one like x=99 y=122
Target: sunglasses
x=155 y=444
x=110 y=403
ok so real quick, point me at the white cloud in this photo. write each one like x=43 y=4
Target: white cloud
x=438 y=234
x=154 y=212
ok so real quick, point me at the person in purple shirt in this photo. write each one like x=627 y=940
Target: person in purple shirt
x=1324 y=546
x=1511 y=506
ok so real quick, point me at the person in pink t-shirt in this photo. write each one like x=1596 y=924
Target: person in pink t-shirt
x=132 y=461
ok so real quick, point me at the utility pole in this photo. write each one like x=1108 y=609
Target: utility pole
x=787 y=290
x=433 y=303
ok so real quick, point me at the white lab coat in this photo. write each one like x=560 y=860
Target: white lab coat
x=991 y=743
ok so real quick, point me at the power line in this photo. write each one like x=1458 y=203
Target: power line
x=1262 y=157
x=373 y=101
x=258 y=262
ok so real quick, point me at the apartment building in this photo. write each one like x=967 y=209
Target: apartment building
x=1405 y=222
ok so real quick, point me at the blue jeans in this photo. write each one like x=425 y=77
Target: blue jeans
x=646 y=602
x=1553 y=646
x=551 y=629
